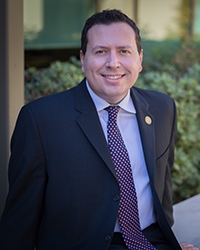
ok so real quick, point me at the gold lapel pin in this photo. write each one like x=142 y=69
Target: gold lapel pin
x=148 y=120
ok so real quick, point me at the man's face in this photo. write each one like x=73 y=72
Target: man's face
x=111 y=63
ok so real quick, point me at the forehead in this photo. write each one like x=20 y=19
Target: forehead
x=116 y=32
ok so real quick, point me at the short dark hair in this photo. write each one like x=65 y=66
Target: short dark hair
x=108 y=17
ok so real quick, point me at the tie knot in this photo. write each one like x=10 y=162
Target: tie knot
x=112 y=112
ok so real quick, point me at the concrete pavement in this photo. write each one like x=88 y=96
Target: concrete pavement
x=187 y=221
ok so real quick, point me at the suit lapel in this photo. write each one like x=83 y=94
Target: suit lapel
x=147 y=132
x=90 y=124
x=146 y=126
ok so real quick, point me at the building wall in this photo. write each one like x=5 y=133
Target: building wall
x=157 y=19
x=12 y=80
x=57 y=24
x=127 y=6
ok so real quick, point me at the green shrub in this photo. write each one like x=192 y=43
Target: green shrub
x=58 y=77
x=158 y=53
x=185 y=90
x=181 y=54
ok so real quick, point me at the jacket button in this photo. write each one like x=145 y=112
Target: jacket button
x=116 y=197
x=108 y=238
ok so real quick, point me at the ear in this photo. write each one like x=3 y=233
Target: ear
x=141 y=58
x=82 y=57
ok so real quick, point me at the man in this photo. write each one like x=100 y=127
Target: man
x=64 y=190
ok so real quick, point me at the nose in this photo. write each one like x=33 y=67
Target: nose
x=113 y=60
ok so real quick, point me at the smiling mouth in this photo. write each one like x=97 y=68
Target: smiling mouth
x=113 y=77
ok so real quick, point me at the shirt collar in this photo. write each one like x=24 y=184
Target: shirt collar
x=126 y=104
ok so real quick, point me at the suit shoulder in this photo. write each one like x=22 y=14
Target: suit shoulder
x=52 y=99
x=53 y=103
x=63 y=98
x=156 y=102
x=152 y=95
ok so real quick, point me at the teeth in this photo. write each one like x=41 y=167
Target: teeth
x=113 y=77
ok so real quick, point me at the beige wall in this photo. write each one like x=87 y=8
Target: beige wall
x=15 y=60
x=12 y=80
x=127 y=6
x=157 y=19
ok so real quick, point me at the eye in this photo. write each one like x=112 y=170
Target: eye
x=100 y=51
x=125 y=51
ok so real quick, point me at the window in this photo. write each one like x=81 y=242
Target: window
x=196 y=27
x=50 y=24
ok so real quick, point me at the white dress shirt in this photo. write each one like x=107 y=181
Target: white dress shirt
x=128 y=126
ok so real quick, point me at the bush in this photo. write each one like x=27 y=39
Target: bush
x=185 y=90
x=58 y=77
x=158 y=53
x=181 y=54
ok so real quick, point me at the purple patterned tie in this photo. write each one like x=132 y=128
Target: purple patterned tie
x=128 y=206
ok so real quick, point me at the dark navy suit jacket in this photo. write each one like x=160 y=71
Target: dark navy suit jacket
x=63 y=192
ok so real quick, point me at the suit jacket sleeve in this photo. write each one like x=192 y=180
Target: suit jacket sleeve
x=165 y=160
x=27 y=179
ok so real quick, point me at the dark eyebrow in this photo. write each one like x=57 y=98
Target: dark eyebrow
x=99 y=47
x=125 y=47
x=105 y=47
